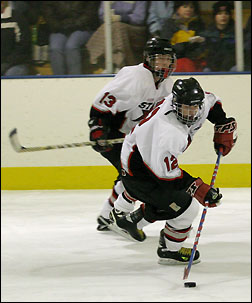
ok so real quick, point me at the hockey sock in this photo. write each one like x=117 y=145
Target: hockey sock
x=108 y=205
x=125 y=202
x=106 y=209
x=174 y=238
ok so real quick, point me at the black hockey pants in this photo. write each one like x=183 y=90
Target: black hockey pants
x=113 y=156
x=161 y=197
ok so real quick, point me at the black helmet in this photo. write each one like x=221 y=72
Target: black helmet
x=188 y=92
x=158 y=46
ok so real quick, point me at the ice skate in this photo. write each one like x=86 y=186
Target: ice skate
x=123 y=224
x=103 y=223
x=182 y=256
x=103 y=218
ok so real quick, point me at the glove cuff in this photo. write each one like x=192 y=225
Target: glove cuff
x=198 y=189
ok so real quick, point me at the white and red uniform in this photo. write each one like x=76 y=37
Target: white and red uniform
x=129 y=97
x=120 y=105
x=151 y=172
x=161 y=138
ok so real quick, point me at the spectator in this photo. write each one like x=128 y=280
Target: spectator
x=71 y=24
x=183 y=29
x=220 y=39
x=129 y=34
x=15 y=42
x=247 y=45
x=159 y=12
x=29 y=9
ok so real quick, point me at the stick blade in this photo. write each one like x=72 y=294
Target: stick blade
x=14 y=141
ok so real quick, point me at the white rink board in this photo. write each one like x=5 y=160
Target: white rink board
x=50 y=111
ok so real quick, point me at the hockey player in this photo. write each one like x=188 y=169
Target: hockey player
x=127 y=99
x=151 y=174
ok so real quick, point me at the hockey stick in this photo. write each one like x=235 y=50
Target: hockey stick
x=21 y=149
x=202 y=219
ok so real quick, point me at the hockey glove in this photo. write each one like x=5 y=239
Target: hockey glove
x=225 y=135
x=203 y=192
x=99 y=134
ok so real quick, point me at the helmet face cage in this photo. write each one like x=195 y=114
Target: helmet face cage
x=188 y=113
x=160 y=57
x=187 y=101
x=162 y=65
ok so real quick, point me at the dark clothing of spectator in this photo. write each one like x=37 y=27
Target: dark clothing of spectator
x=15 y=40
x=220 y=47
x=71 y=24
x=29 y=9
x=180 y=33
x=67 y=17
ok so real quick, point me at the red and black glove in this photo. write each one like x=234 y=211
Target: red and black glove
x=204 y=193
x=225 y=135
x=99 y=134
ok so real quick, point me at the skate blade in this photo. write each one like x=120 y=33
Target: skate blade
x=106 y=224
x=174 y=262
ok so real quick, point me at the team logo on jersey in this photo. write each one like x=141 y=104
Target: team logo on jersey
x=146 y=107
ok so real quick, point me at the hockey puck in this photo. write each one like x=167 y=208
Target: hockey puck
x=190 y=284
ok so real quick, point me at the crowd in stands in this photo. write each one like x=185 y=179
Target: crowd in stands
x=71 y=33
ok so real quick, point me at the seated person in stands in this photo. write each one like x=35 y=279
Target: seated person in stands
x=158 y=13
x=183 y=30
x=220 y=39
x=129 y=34
x=71 y=24
x=16 y=48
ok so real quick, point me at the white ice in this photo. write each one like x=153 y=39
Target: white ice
x=52 y=252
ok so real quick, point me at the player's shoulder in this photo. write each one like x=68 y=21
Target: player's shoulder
x=211 y=97
x=172 y=134
x=134 y=72
x=168 y=82
x=168 y=120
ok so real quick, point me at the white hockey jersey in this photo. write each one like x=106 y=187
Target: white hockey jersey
x=160 y=138
x=132 y=91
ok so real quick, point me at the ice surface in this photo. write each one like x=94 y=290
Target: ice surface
x=52 y=252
